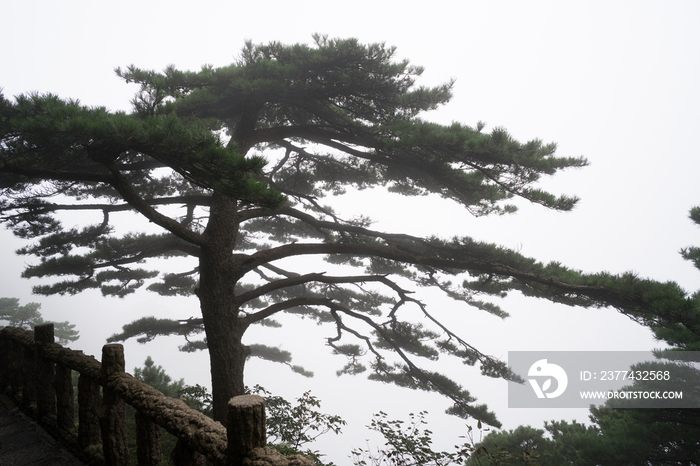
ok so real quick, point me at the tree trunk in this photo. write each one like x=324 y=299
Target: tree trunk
x=227 y=355
x=224 y=330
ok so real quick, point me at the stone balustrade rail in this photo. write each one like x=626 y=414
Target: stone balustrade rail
x=37 y=373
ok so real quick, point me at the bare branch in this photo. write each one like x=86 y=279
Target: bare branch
x=433 y=256
x=141 y=205
x=284 y=305
x=313 y=133
x=57 y=175
x=276 y=285
x=341 y=326
x=52 y=207
x=317 y=278
x=338 y=225
x=159 y=248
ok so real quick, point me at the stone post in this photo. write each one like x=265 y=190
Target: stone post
x=13 y=360
x=44 y=370
x=65 y=404
x=27 y=368
x=89 y=401
x=246 y=427
x=6 y=366
x=182 y=455
x=148 y=448
x=113 y=409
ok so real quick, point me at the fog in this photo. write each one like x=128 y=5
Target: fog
x=614 y=82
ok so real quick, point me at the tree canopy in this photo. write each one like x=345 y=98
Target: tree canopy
x=28 y=316
x=621 y=434
x=235 y=166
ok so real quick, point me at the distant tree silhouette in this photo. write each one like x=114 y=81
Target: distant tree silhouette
x=28 y=316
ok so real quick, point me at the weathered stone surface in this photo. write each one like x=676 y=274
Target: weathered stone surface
x=184 y=456
x=246 y=426
x=43 y=333
x=266 y=456
x=45 y=371
x=65 y=403
x=113 y=410
x=196 y=430
x=89 y=400
x=28 y=369
x=148 y=444
x=73 y=359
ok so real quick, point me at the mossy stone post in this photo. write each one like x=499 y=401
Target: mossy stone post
x=44 y=370
x=11 y=355
x=182 y=455
x=246 y=426
x=6 y=366
x=148 y=445
x=27 y=368
x=65 y=403
x=113 y=409
x=89 y=400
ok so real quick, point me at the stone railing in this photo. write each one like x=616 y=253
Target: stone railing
x=37 y=373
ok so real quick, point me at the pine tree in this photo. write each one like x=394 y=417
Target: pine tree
x=234 y=165
x=681 y=329
x=622 y=433
x=156 y=377
x=19 y=316
x=28 y=316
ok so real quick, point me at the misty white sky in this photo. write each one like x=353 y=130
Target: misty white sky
x=616 y=82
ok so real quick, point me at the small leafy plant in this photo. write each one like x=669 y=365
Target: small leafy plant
x=410 y=444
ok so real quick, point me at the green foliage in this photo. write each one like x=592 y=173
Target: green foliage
x=564 y=443
x=657 y=436
x=617 y=437
x=28 y=316
x=197 y=397
x=680 y=326
x=513 y=447
x=291 y=427
x=156 y=377
x=151 y=327
x=19 y=316
x=299 y=424
x=235 y=165
x=692 y=253
x=410 y=444
x=621 y=433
